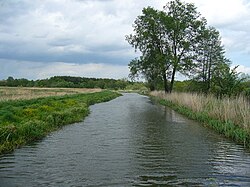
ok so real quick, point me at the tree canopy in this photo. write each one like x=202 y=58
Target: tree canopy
x=166 y=40
x=176 y=39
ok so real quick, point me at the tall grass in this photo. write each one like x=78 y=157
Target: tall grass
x=23 y=121
x=233 y=113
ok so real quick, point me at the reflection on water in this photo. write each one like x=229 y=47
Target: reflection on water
x=129 y=141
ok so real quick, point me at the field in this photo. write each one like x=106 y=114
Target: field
x=24 y=120
x=228 y=116
x=15 y=93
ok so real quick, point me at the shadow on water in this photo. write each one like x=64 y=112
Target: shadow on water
x=129 y=141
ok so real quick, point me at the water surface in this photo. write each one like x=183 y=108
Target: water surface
x=129 y=141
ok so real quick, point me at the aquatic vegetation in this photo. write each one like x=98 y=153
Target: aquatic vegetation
x=23 y=121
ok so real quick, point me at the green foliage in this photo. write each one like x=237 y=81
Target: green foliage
x=23 y=121
x=137 y=87
x=167 y=41
x=227 y=81
x=178 y=39
x=68 y=82
x=181 y=86
x=210 y=55
x=247 y=92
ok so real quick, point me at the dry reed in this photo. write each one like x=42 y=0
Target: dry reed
x=236 y=110
x=16 y=93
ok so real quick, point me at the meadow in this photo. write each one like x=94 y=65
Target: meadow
x=15 y=93
x=23 y=120
x=228 y=116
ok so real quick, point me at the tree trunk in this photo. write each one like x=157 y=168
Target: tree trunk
x=209 y=75
x=172 y=80
x=165 y=82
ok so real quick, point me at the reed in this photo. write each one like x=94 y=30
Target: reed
x=231 y=114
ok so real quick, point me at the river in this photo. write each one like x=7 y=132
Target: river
x=129 y=141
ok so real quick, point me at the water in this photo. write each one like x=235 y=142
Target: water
x=129 y=141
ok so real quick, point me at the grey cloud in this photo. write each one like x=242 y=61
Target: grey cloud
x=40 y=70
x=61 y=42
x=66 y=57
x=12 y=9
x=25 y=42
x=82 y=31
x=40 y=36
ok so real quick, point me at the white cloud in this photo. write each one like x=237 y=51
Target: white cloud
x=243 y=69
x=231 y=18
x=222 y=12
x=69 y=26
x=88 y=23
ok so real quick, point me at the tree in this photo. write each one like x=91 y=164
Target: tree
x=166 y=41
x=210 y=55
x=148 y=39
x=11 y=81
x=148 y=69
x=227 y=81
x=182 y=36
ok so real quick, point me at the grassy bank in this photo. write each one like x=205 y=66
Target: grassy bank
x=230 y=117
x=23 y=121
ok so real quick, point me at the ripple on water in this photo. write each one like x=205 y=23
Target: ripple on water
x=129 y=141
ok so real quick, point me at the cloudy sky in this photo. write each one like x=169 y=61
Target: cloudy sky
x=43 y=38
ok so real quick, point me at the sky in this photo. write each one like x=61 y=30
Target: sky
x=44 y=38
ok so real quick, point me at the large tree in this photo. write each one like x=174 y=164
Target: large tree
x=166 y=40
x=182 y=36
x=148 y=38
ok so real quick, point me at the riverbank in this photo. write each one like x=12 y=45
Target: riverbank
x=230 y=117
x=23 y=121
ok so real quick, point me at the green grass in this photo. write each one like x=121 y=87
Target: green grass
x=23 y=121
x=226 y=128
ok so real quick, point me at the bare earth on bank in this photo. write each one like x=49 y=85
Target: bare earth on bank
x=229 y=116
x=15 y=93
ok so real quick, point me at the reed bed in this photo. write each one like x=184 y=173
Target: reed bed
x=229 y=110
x=235 y=110
x=25 y=93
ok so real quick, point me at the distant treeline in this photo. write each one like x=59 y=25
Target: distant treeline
x=74 y=82
x=243 y=87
